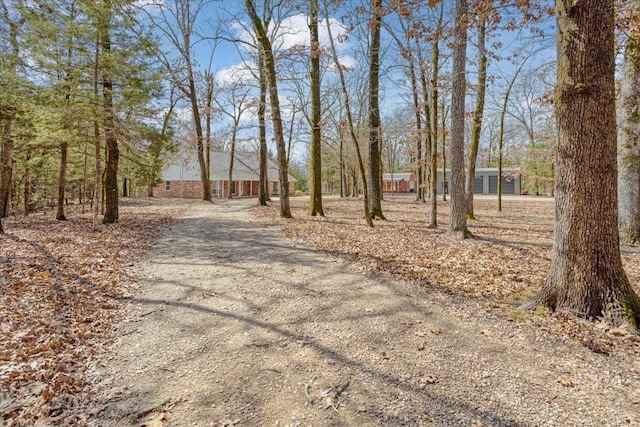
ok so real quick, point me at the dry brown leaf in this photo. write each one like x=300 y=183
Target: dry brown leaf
x=383 y=356
x=157 y=421
x=565 y=380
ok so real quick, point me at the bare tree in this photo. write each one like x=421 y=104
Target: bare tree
x=264 y=43
x=476 y=127
x=457 y=217
x=176 y=20
x=315 y=205
x=375 y=161
x=349 y=122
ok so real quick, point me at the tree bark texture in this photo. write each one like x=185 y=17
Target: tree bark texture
x=113 y=154
x=375 y=161
x=62 y=180
x=457 y=216
x=476 y=127
x=586 y=278
x=97 y=140
x=629 y=143
x=263 y=190
x=433 y=162
x=270 y=71
x=315 y=204
x=427 y=138
x=197 y=122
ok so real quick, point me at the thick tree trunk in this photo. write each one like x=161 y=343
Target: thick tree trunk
x=315 y=175
x=113 y=153
x=270 y=71
x=586 y=278
x=263 y=190
x=62 y=181
x=375 y=162
x=200 y=146
x=629 y=143
x=476 y=126
x=457 y=217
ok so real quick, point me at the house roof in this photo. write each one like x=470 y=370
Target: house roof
x=400 y=176
x=246 y=167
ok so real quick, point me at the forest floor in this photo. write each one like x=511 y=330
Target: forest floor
x=194 y=314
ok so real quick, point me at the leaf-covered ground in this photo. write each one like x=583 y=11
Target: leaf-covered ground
x=504 y=264
x=61 y=285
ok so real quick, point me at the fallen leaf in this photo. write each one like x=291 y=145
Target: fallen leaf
x=157 y=421
x=384 y=356
x=436 y=331
x=565 y=380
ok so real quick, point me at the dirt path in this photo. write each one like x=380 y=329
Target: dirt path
x=236 y=325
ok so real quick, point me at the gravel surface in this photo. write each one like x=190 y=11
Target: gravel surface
x=234 y=324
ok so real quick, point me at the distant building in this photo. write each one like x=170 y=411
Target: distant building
x=485 y=182
x=399 y=182
x=181 y=176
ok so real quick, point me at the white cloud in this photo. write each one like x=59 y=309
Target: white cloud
x=239 y=73
x=293 y=32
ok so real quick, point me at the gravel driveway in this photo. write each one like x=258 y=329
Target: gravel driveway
x=234 y=324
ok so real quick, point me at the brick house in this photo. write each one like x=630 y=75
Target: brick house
x=181 y=176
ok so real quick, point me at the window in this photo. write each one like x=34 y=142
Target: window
x=167 y=185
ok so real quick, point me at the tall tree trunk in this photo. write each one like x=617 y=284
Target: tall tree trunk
x=113 y=153
x=343 y=174
x=443 y=124
x=270 y=69
x=350 y=124
x=207 y=136
x=375 y=159
x=315 y=204
x=197 y=123
x=501 y=131
x=62 y=181
x=457 y=216
x=428 y=136
x=6 y=121
x=97 y=192
x=586 y=277
x=263 y=190
x=232 y=154
x=27 y=184
x=629 y=143
x=476 y=126
x=8 y=114
x=433 y=164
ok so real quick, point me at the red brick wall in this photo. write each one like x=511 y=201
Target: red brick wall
x=193 y=189
x=186 y=189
